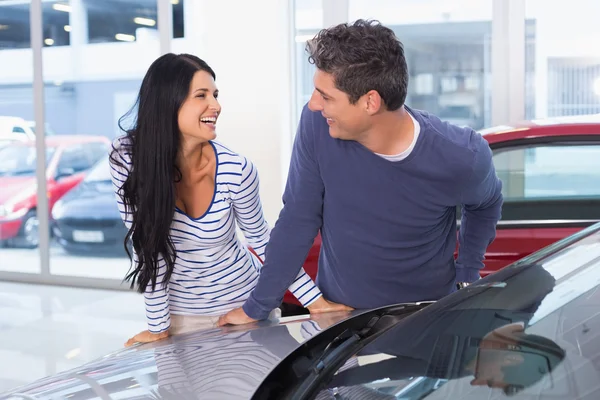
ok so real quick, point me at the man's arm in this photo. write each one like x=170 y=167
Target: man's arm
x=481 y=201
x=249 y=216
x=297 y=226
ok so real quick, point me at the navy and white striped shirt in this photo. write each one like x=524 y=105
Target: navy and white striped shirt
x=214 y=271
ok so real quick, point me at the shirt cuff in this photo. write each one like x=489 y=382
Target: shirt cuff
x=311 y=297
x=160 y=328
x=254 y=310
x=468 y=275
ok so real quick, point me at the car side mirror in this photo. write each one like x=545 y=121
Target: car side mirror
x=64 y=173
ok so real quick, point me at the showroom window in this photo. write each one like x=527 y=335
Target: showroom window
x=308 y=18
x=448 y=50
x=562 y=58
x=86 y=21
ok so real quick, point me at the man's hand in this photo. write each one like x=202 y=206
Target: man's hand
x=322 y=306
x=236 y=316
x=146 y=337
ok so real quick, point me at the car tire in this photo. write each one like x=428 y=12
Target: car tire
x=29 y=236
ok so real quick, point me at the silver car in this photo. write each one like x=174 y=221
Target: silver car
x=529 y=331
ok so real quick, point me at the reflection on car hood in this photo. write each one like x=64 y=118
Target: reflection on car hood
x=223 y=363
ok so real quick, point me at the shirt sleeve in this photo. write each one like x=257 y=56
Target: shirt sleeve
x=298 y=224
x=481 y=210
x=250 y=217
x=157 y=300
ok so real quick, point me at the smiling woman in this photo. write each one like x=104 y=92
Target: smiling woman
x=182 y=194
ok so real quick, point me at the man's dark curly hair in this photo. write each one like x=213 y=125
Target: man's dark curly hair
x=362 y=56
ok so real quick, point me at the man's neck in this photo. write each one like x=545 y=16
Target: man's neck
x=391 y=134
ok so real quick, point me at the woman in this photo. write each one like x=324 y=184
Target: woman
x=182 y=195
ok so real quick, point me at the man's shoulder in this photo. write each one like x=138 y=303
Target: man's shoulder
x=448 y=135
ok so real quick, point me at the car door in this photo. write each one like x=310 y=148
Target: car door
x=551 y=189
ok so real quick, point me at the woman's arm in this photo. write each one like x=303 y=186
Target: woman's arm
x=157 y=300
x=248 y=212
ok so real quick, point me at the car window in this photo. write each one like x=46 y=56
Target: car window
x=17 y=160
x=549 y=172
x=96 y=151
x=100 y=172
x=74 y=158
x=18 y=129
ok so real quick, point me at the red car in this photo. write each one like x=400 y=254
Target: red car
x=68 y=158
x=550 y=170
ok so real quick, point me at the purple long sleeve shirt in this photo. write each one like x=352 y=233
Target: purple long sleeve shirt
x=388 y=228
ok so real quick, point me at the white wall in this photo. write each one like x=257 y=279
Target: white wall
x=250 y=49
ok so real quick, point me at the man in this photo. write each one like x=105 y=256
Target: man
x=381 y=182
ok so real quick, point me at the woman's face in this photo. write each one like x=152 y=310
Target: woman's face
x=198 y=114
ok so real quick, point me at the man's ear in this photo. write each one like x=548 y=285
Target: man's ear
x=373 y=102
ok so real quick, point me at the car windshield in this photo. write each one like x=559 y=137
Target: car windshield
x=530 y=331
x=19 y=160
x=100 y=172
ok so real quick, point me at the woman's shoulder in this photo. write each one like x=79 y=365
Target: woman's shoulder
x=227 y=156
x=120 y=155
x=122 y=145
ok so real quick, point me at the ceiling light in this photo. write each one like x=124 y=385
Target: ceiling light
x=125 y=38
x=174 y=2
x=144 y=21
x=49 y=42
x=61 y=7
x=67 y=28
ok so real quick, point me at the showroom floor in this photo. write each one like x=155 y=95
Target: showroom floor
x=48 y=329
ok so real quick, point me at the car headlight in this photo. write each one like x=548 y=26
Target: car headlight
x=6 y=210
x=9 y=212
x=58 y=210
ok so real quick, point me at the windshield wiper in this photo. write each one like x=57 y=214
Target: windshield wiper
x=313 y=374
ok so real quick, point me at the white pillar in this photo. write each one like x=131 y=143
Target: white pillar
x=508 y=61
x=165 y=25
x=250 y=49
x=78 y=21
x=543 y=46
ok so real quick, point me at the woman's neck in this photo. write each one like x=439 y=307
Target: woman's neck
x=192 y=158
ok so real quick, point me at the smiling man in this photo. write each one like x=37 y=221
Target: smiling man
x=381 y=181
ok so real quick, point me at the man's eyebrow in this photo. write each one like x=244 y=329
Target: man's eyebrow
x=322 y=92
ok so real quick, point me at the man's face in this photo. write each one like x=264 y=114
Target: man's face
x=346 y=121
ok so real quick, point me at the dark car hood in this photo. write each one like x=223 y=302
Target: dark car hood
x=223 y=363
x=91 y=200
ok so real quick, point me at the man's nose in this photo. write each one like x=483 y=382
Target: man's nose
x=314 y=104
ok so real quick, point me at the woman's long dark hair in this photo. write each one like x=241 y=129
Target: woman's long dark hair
x=149 y=190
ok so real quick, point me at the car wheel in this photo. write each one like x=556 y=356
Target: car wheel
x=29 y=236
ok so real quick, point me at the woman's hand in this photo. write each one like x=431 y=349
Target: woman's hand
x=147 y=337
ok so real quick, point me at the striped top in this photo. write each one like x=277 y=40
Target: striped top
x=214 y=271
